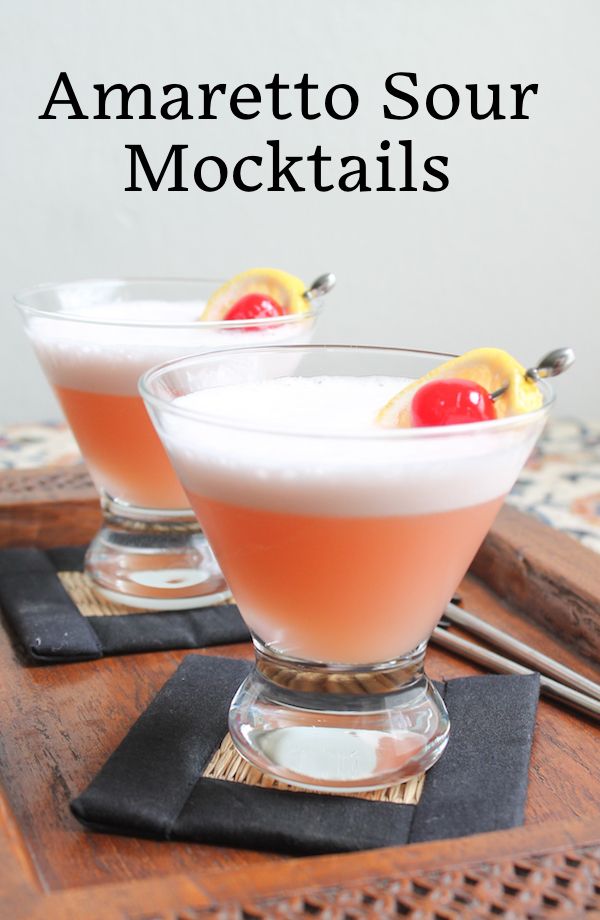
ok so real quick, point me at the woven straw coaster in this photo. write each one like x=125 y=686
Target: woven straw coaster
x=226 y=763
x=80 y=589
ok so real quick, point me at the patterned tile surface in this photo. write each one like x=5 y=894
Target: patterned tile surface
x=44 y=444
x=560 y=484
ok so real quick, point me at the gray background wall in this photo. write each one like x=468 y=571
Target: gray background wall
x=507 y=255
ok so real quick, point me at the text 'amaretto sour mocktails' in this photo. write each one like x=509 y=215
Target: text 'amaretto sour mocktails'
x=341 y=542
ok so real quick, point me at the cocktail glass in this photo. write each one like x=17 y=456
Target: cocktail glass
x=342 y=551
x=94 y=339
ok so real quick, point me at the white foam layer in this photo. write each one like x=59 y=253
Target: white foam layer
x=324 y=454
x=299 y=404
x=109 y=356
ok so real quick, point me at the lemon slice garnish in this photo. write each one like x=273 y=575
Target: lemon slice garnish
x=285 y=289
x=491 y=368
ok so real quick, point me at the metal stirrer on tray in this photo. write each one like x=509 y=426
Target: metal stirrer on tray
x=586 y=698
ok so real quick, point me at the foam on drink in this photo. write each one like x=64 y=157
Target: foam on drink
x=105 y=347
x=94 y=354
x=341 y=541
x=311 y=444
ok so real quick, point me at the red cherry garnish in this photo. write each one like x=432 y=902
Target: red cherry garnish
x=451 y=402
x=254 y=306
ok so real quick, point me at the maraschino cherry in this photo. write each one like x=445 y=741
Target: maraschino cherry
x=254 y=306
x=451 y=402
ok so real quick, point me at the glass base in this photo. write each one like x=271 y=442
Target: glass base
x=154 y=560
x=338 y=728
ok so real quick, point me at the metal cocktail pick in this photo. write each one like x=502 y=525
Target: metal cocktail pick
x=551 y=365
x=320 y=286
x=554 y=363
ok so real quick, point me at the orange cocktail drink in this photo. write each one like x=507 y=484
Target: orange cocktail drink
x=355 y=602
x=119 y=443
x=342 y=543
x=94 y=339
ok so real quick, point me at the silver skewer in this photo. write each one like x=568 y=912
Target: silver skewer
x=521 y=650
x=320 y=286
x=554 y=363
x=551 y=365
x=502 y=665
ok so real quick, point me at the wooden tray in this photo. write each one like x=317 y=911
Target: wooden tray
x=61 y=722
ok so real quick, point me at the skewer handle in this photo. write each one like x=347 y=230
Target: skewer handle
x=551 y=365
x=320 y=286
x=554 y=363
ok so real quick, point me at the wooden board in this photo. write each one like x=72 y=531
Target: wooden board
x=59 y=724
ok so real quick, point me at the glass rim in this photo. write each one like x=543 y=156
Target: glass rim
x=21 y=297
x=383 y=434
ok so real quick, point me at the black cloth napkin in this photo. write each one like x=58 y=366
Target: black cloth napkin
x=50 y=628
x=152 y=785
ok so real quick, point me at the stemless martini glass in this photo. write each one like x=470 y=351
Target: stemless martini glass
x=94 y=339
x=342 y=542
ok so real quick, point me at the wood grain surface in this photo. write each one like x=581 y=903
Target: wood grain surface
x=60 y=723
x=548 y=574
x=48 y=507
